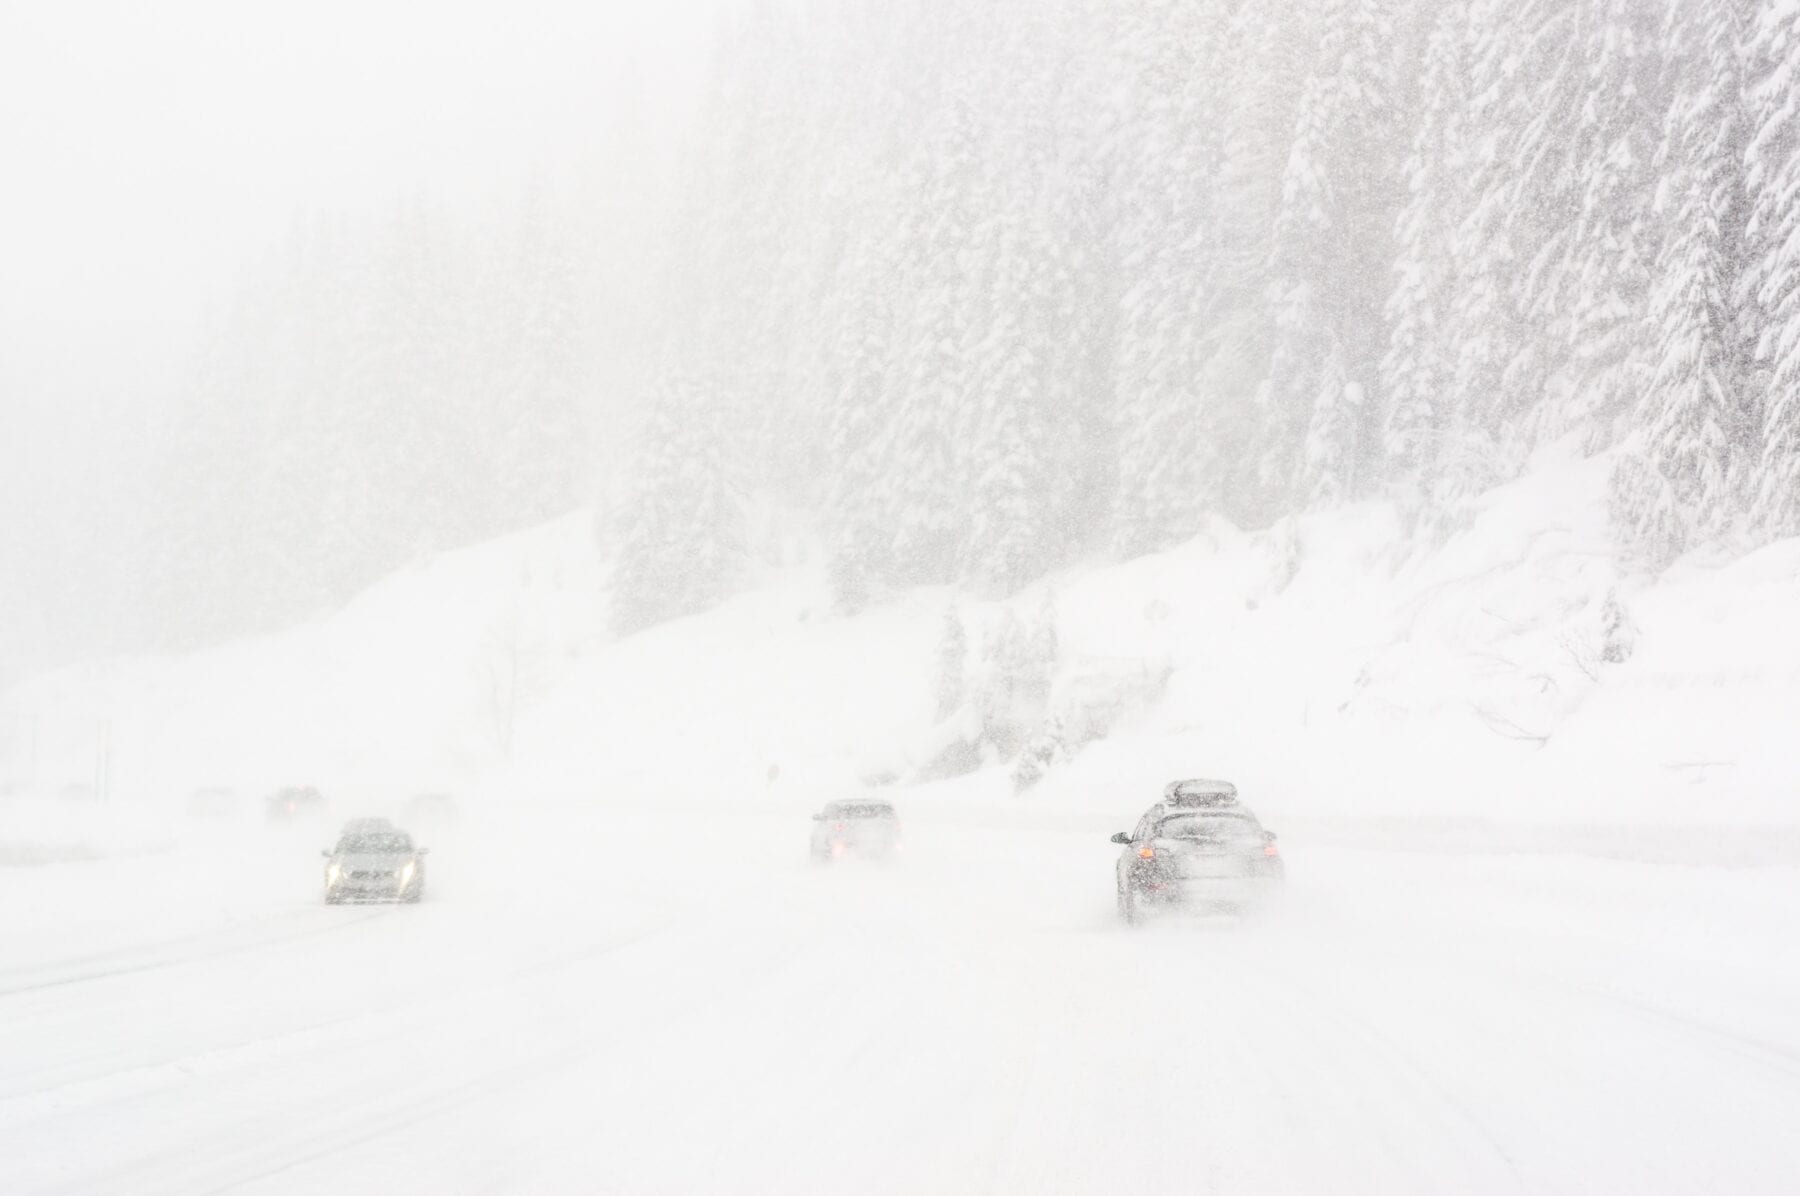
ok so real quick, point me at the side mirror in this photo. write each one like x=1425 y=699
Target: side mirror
x=1122 y=838
x=819 y=817
x=1269 y=836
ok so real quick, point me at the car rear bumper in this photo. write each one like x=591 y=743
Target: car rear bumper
x=363 y=894
x=1209 y=892
x=870 y=848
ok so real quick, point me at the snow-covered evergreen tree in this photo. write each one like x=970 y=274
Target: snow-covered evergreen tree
x=854 y=417
x=1418 y=366
x=1332 y=237
x=1772 y=176
x=1598 y=265
x=1266 y=61
x=1676 y=485
x=1018 y=431
x=919 y=502
x=677 y=542
x=1168 y=154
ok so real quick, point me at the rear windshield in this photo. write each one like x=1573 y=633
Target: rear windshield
x=860 y=810
x=375 y=844
x=1206 y=826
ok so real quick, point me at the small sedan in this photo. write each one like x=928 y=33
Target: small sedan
x=1215 y=860
x=374 y=861
x=865 y=828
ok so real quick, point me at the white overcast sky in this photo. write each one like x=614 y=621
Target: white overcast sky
x=147 y=149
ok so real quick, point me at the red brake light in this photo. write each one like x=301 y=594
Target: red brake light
x=839 y=826
x=1270 y=850
x=1146 y=853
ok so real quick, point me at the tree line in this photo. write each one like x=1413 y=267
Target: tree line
x=991 y=288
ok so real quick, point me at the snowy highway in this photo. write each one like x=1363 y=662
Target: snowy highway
x=672 y=999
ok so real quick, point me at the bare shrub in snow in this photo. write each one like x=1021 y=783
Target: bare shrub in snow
x=1618 y=632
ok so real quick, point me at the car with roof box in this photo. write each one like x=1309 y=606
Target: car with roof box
x=1199 y=848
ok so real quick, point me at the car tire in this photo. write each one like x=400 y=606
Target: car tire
x=414 y=897
x=333 y=899
x=1130 y=912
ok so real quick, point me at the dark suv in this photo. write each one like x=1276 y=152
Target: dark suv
x=1197 y=848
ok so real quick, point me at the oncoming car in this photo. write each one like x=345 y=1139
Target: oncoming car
x=1198 y=848
x=867 y=828
x=374 y=861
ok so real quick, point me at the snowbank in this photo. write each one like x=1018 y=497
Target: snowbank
x=1518 y=673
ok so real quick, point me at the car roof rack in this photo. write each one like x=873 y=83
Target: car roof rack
x=1199 y=791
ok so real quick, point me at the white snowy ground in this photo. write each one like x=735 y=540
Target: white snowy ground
x=1543 y=933
x=669 y=998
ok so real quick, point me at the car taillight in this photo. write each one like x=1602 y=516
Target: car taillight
x=1146 y=853
x=1270 y=850
x=839 y=826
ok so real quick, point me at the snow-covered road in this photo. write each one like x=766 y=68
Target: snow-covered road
x=645 y=999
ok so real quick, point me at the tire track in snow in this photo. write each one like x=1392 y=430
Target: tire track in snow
x=129 y=961
x=1323 y=1012
x=357 y=1120
x=1781 y=1060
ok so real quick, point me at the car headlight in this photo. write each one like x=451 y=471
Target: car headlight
x=333 y=872
x=406 y=875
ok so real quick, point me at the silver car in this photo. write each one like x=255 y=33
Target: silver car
x=374 y=861
x=866 y=828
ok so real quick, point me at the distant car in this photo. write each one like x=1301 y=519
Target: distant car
x=865 y=828
x=295 y=801
x=1198 y=848
x=374 y=860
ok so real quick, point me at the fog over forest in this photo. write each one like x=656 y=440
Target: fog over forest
x=838 y=597
x=975 y=291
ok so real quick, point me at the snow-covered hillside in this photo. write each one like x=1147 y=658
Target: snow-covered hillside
x=1516 y=674
x=412 y=685
x=1537 y=816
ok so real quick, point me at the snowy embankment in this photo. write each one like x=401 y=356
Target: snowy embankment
x=1515 y=690
x=1517 y=676
x=1520 y=948
x=1335 y=678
